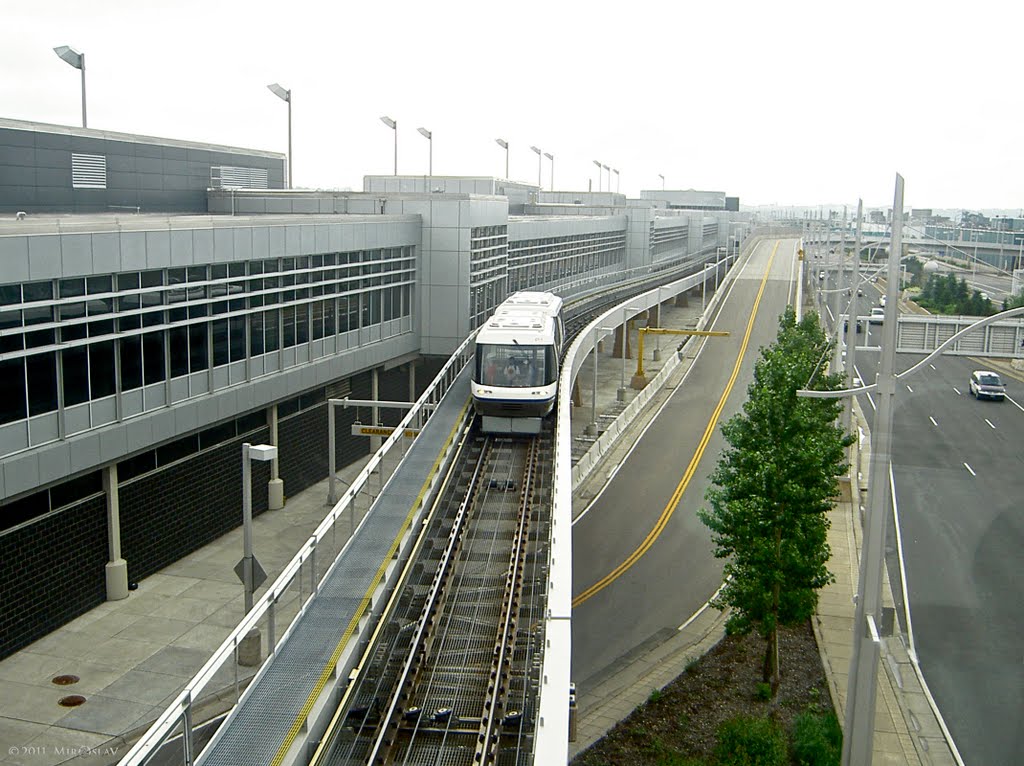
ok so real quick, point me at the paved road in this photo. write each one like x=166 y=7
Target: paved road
x=963 y=532
x=678 y=573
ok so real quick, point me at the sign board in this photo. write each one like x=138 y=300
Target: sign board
x=361 y=430
x=259 y=576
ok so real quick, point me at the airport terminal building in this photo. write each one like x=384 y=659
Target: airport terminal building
x=163 y=302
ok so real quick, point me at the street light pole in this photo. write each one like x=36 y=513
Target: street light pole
x=860 y=699
x=285 y=95
x=852 y=318
x=609 y=176
x=662 y=181
x=430 y=140
x=540 y=159
x=393 y=124
x=262 y=452
x=504 y=145
x=617 y=179
x=77 y=60
x=552 y=158
x=598 y=174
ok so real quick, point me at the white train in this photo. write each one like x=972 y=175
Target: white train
x=515 y=378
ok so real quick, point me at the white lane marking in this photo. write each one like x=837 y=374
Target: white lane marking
x=831 y=316
x=909 y=388
x=989 y=423
x=1015 y=404
x=931 y=365
x=871 y=401
x=933 y=421
x=957 y=391
x=970 y=469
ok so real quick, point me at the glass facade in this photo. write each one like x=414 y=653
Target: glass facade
x=540 y=263
x=144 y=339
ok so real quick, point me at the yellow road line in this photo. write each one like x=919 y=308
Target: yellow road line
x=328 y=670
x=670 y=508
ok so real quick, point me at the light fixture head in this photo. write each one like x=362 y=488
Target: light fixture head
x=262 y=452
x=501 y=142
x=70 y=55
x=389 y=122
x=597 y=163
x=425 y=133
x=549 y=156
x=282 y=93
x=535 y=150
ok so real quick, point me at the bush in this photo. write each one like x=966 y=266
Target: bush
x=817 y=739
x=746 y=741
x=763 y=692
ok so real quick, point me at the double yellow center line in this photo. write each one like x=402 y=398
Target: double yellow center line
x=677 y=495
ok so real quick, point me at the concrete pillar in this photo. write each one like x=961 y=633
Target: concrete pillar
x=577 y=396
x=275 y=487
x=117 y=567
x=682 y=300
x=654 y=316
x=375 y=441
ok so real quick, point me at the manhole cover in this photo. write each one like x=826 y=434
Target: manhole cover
x=72 y=700
x=65 y=680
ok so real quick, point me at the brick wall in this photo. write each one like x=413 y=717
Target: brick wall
x=51 y=571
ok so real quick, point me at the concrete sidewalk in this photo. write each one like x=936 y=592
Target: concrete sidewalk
x=132 y=657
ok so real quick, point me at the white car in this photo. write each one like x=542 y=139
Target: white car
x=881 y=300
x=988 y=385
x=877 y=315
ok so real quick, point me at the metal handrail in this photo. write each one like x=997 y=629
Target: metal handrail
x=180 y=710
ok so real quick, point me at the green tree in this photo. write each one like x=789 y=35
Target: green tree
x=774 y=484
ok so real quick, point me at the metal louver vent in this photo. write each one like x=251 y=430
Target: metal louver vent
x=229 y=177
x=88 y=171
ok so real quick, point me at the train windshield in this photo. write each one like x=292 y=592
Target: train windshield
x=515 y=366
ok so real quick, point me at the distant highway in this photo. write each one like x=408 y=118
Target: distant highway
x=958 y=467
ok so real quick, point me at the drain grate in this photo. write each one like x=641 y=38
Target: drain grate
x=72 y=700
x=65 y=680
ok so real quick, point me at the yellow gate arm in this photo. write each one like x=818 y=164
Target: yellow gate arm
x=666 y=331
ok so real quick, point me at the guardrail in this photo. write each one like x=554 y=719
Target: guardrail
x=178 y=718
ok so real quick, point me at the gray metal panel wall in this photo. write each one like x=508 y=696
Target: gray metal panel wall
x=35 y=173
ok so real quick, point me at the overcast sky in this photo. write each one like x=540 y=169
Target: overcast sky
x=790 y=103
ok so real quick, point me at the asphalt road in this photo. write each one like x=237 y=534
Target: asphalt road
x=958 y=468
x=678 y=572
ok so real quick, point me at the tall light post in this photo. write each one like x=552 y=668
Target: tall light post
x=598 y=174
x=662 y=181
x=540 y=159
x=626 y=311
x=617 y=178
x=285 y=95
x=504 y=145
x=250 y=567
x=860 y=699
x=609 y=176
x=430 y=140
x=394 y=126
x=552 y=158
x=853 y=315
x=77 y=60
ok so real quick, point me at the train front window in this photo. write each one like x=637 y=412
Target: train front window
x=515 y=366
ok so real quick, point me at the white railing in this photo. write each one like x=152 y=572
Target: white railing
x=180 y=712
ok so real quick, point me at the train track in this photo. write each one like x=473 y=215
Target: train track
x=453 y=675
